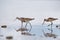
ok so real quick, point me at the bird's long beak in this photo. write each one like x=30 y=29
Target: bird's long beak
x=56 y=18
x=33 y=18
x=43 y=22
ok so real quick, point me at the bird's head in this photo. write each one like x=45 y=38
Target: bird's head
x=17 y=17
x=43 y=21
x=33 y=18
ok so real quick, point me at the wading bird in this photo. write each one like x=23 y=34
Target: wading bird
x=26 y=20
x=50 y=19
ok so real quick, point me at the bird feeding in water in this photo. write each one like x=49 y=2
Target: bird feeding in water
x=26 y=20
x=50 y=19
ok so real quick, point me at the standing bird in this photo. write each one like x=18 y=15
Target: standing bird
x=50 y=19
x=26 y=20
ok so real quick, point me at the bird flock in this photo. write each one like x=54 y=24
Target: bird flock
x=25 y=31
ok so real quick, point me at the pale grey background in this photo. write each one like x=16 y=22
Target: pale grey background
x=38 y=9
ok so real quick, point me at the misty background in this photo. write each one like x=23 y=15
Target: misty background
x=38 y=9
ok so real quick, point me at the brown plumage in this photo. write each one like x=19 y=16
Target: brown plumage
x=26 y=20
x=50 y=19
x=22 y=19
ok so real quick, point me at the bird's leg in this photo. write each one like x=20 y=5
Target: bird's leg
x=26 y=24
x=43 y=22
x=21 y=24
x=31 y=26
x=51 y=27
x=49 y=24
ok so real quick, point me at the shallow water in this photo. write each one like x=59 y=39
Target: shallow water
x=36 y=29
